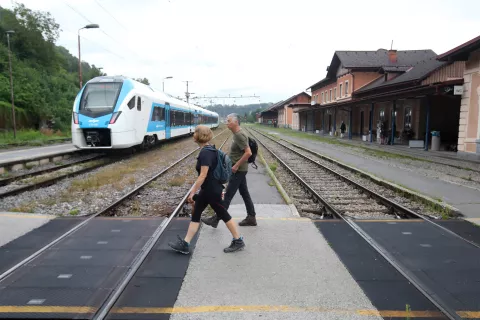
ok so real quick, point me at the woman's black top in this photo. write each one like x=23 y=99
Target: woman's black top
x=208 y=157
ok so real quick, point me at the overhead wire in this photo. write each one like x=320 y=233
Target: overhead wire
x=111 y=15
x=103 y=31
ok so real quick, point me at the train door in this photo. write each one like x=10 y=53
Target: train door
x=168 y=132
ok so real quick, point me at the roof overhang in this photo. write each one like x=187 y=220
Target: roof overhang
x=412 y=92
x=462 y=52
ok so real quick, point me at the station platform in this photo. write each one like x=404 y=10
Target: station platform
x=466 y=200
x=291 y=268
x=34 y=152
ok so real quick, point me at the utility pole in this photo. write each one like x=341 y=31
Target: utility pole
x=11 y=85
x=187 y=94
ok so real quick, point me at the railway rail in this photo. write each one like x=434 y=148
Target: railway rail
x=324 y=185
x=105 y=311
x=17 y=184
x=102 y=212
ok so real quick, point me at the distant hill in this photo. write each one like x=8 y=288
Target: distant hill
x=248 y=110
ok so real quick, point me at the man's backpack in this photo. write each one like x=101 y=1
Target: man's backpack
x=223 y=170
x=254 y=147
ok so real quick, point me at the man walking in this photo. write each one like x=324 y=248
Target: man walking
x=239 y=153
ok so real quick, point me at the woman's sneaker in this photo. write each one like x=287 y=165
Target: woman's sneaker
x=237 y=244
x=180 y=246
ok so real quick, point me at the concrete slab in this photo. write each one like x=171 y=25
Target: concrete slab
x=21 y=154
x=286 y=271
x=14 y=225
x=259 y=188
x=463 y=198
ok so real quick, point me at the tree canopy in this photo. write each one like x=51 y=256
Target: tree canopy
x=45 y=76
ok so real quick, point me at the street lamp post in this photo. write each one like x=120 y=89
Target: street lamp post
x=11 y=84
x=163 y=82
x=88 y=26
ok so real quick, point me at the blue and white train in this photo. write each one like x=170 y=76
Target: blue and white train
x=119 y=113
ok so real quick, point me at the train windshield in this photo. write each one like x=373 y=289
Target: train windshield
x=99 y=98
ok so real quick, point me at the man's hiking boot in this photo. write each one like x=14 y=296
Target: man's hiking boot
x=180 y=245
x=237 y=244
x=248 y=221
x=212 y=221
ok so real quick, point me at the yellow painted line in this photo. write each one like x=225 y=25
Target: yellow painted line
x=23 y=215
x=213 y=309
x=46 y=309
x=250 y=308
x=469 y=314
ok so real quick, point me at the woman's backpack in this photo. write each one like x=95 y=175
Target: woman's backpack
x=223 y=170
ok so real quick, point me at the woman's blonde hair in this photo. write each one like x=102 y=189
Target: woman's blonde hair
x=202 y=134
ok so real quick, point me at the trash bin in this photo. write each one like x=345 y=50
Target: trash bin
x=435 y=140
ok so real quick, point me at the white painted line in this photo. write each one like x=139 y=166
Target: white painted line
x=36 y=301
x=425 y=245
x=102 y=242
x=406 y=233
x=86 y=257
x=64 y=276
x=116 y=230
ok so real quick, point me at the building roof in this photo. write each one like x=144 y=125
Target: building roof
x=380 y=58
x=416 y=72
x=284 y=102
x=461 y=52
x=376 y=60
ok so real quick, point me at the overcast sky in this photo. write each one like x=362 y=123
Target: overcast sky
x=273 y=49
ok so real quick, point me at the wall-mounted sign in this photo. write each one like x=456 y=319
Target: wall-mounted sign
x=457 y=90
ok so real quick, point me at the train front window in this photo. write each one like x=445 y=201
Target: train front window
x=100 y=97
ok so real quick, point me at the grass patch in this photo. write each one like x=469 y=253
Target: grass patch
x=177 y=181
x=271 y=183
x=26 y=208
x=74 y=212
x=31 y=137
x=273 y=166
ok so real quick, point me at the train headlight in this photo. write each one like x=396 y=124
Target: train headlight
x=115 y=116
x=75 y=118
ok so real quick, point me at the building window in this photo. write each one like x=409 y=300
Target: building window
x=323 y=101
x=326 y=95
x=335 y=93
x=340 y=95
x=330 y=96
x=346 y=88
x=408 y=118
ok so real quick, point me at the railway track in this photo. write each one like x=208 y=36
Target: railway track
x=46 y=177
x=348 y=201
x=103 y=212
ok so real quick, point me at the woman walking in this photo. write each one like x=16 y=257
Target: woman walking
x=210 y=194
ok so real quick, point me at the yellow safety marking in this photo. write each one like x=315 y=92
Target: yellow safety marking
x=214 y=309
x=469 y=314
x=46 y=309
x=23 y=215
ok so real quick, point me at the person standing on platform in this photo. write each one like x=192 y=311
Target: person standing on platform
x=239 y=153
x=210 y=194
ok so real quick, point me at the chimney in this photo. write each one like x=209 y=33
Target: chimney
x=392 y=56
